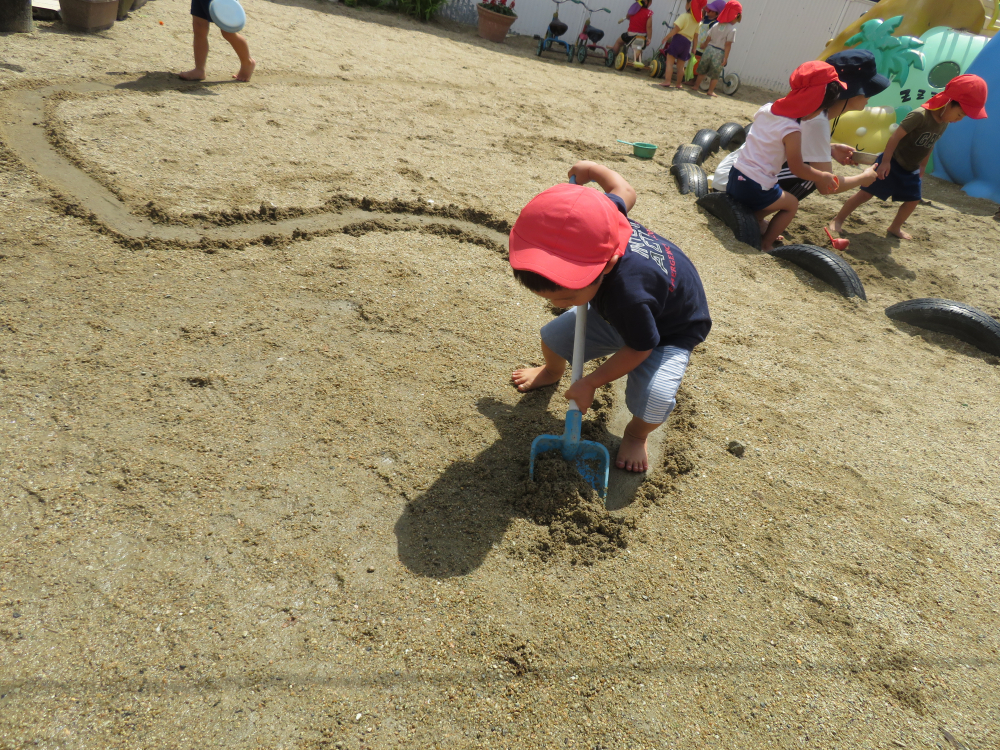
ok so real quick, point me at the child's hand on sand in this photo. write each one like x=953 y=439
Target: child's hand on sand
x=883 y=170
x=582 y=393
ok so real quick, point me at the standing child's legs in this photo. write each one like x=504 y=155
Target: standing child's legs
x=848 y=208
x=242 y=50
x=902 y=215
x=668 y=71
x=199 y=27
x=681 y=64
x=711 y=87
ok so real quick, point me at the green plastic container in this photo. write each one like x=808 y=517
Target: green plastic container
x=642 y=150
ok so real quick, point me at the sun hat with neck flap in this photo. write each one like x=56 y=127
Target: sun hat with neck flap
x=808 y=82
x=968 y=90
x=730 y=12
x=568 y=234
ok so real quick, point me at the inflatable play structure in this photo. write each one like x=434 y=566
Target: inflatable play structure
x=920 y=45
x=967 y=154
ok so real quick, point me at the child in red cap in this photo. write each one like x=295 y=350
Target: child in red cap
x=901 y=165
x=776 y=138
x=572 y=246
x=716 y=45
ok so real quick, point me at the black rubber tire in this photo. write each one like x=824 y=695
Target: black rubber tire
x=734 y=215
x=746 y=129
x=688 y=153
x=970 y=324
x=731 y=136
x=541 y=47
x=825 y=265
x=690 y=179
x=708 y=139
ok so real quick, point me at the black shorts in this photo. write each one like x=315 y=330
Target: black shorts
x=200 y=8
x=626 y=37
x=795 y=185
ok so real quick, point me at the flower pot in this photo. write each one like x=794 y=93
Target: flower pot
x=124 y=6
x=493 y=26
x=88 y=15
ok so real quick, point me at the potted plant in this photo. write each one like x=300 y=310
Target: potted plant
x=495 y=19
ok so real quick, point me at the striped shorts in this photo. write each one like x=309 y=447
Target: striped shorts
x=651 y=388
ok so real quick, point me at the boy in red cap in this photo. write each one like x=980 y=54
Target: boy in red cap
x=572 y=246
x=901 y=165
x=776 y=138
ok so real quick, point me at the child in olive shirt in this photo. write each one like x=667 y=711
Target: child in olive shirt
x=901 y=166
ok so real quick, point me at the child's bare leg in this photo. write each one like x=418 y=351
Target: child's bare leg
x=632 y=455
x=697 y=82
x=530 y=378
x=681 y=64
x=711 y=87
x=848 y=208
x=786 y=206
x=762 y=222
x=668 y=72
x=242 y=49
x=199 y=27
x=902 y=215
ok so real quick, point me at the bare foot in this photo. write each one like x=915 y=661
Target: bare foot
x=901 y=233
x=531 y=378
x=665 y=85
x=712 y=94
x=835 y=226
x=245 y=71
x=632 y=454
x=195 y=74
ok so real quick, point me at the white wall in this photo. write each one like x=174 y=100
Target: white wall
x=774 y=37
x=533 y=16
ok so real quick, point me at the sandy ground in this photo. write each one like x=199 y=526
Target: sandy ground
x=264 y=479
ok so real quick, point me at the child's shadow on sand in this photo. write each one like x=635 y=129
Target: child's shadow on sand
x=877 y=250
x=450 y=528
x=162 y=80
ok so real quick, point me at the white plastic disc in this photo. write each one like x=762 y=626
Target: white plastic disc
x=228 y=15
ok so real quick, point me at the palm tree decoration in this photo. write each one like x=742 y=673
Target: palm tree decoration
x=894 y=56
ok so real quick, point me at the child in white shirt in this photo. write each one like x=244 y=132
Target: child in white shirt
x=716 y=45
x=776 y=137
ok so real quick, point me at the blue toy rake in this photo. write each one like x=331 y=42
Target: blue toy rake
x=590 y=458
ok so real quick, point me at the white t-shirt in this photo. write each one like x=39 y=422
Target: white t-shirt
x=722 y=33
x=762 y=155
x=815 y=148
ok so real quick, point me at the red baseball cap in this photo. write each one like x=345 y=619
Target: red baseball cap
x=808 y=82
x=567 y=234
x=968 y=90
